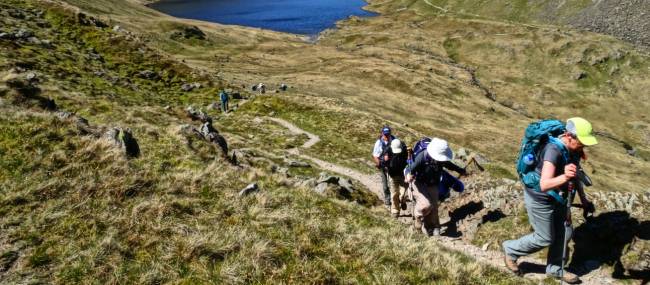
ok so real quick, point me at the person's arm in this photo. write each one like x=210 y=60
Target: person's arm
x=451 y=166
x=376 y=152
x=547 y=179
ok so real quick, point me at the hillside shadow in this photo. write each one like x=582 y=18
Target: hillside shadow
x=603 y=240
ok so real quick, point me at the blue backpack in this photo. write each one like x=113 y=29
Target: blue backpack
x=447 y=181
x=419 y=147
x=537 y=135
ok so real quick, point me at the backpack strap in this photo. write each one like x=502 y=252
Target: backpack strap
x=565 y=155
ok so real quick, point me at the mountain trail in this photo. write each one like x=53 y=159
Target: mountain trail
x=534 y=268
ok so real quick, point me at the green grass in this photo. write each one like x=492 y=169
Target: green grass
x=74 y=209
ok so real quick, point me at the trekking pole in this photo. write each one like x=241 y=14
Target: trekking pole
x=469 y=162
x=412 y=200
x=567 y=224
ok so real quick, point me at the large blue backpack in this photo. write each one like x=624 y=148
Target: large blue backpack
x=537 y=135
x=420 y=146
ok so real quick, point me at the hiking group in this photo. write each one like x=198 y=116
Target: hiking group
x=548 y=166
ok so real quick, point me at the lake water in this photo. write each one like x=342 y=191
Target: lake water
x=307 y=17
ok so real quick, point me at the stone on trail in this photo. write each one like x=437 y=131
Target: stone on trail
x=579 y=75
x=63 y=115
x=148 y=74
x=6 y=36
x=251 y=188
x=326 y=178
x=187 y=87
x=23 y=34
x=322 y=188
x=294 y=163
x=346 y=184
x=195 y=115
x=123 y=139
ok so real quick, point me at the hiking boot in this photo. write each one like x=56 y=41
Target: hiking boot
x=511 y=264
x=569 y=278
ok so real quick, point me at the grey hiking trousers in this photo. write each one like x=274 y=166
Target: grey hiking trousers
x=384 y=183
x=547 y=219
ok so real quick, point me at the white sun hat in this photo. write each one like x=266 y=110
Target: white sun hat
x=396 y=146
x=439 y=150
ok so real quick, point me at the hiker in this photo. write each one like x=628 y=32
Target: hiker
x=224 y=101
x=395 y=164
x=556 y=169
x=425 y=172
x=380 y=155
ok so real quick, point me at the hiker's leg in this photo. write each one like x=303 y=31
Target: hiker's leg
x=554 y=257
x=384 y=182
x=403 y=191
x=395 y=186
x=422 y=200
x=540 y=216
x=433 y=221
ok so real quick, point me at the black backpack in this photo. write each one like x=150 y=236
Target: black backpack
x=397 y=162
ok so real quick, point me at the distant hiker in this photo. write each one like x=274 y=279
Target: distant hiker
x=261 y=87
x=553 y=171
x=224 y=101
x=380 y=154
x=395 y=164
x=425 y=172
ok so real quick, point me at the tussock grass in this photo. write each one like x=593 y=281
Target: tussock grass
x=73 y=209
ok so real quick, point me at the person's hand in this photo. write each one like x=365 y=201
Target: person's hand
x=570 y=171
x=462 y=172
x=409 y=178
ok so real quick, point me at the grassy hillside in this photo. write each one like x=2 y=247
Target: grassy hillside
x=475 y=82
x=75 y=209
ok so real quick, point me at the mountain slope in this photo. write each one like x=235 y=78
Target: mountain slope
x=79 y=207
x=626 y=20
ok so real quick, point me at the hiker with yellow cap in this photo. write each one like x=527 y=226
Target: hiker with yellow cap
x=425 y=172
x=548 y=166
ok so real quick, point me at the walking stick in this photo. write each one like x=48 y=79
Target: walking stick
x=567 y=224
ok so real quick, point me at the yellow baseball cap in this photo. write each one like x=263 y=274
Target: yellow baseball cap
x=581 y=128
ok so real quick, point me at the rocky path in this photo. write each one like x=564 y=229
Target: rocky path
x=534 y=268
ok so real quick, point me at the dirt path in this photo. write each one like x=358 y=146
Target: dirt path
x=313 y=139
x=533 y=267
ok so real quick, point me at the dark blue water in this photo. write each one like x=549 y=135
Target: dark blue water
x=307 y=17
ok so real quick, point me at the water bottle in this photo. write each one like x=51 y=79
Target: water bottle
x=529 y=159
